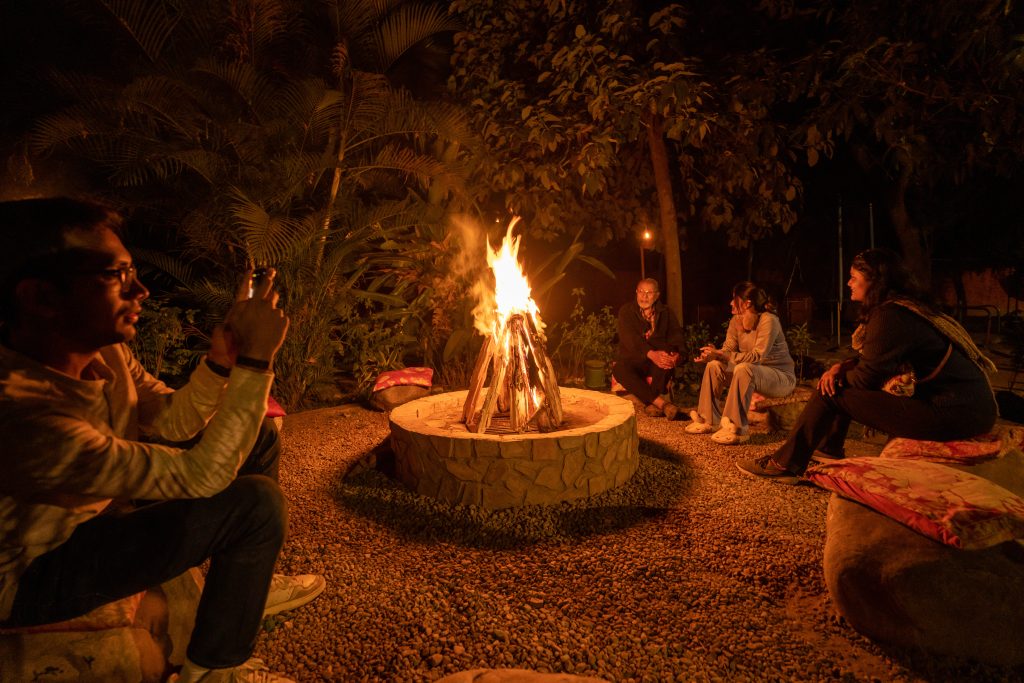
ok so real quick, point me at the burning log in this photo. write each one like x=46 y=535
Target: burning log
x=523 y=385
x=477 y=379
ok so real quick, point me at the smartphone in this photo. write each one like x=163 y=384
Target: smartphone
x=258 y=276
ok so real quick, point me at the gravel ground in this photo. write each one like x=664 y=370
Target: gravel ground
x=689 y=572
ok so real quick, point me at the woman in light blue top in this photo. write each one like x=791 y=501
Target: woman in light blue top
x=754 y=357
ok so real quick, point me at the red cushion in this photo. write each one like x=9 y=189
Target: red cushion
x=274 y=408
x=966 y=452
x=945 y=504
x=423 y=377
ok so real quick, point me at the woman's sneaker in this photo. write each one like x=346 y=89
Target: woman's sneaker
x=698 y=425
x=766 y=468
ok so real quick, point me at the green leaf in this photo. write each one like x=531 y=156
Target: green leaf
x=596 y=264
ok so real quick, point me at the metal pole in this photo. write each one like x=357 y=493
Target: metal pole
x=839 y=296
x=643 y=272
x=871 y=225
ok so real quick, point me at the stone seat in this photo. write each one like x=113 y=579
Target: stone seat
x=899 y=587
x=801 y=394
x=782 y=412
x=133 y=640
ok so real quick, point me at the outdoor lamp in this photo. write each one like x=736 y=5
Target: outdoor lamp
x=645 y=239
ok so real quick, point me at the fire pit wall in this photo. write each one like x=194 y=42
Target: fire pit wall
x=435 y=455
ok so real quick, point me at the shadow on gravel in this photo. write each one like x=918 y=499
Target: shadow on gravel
x=658 y=485
x=653 y=449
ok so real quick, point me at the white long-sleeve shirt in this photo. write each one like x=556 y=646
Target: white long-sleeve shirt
x=68 y=447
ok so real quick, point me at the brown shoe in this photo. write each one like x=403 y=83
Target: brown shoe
x=670 y=410
x=766 y=468
x=653 y=411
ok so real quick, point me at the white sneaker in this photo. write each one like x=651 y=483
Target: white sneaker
x=252 y=671
x=698 y=425
x=290 y=592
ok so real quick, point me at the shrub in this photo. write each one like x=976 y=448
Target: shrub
x=584 y=337
x=161 y=344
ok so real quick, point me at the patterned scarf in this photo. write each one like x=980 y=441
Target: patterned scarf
x=947 y=327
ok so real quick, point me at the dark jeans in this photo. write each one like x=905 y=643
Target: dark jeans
x=825 y=420
x=240 y=530
x=633 y=377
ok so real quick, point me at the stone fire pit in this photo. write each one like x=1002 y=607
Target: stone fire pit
x=595 y=450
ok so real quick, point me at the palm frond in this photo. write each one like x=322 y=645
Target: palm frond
x=168 y=101
x=268 y=239
x=371 y=98
x=406 y=26
x=245 y=82
x=59 y=129
x=148 y=23
x=135 y=171
x=181 y=271
x=393 y=158
x=207 y=165
x=214 y=296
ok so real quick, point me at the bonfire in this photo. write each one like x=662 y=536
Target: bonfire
x=523 y=393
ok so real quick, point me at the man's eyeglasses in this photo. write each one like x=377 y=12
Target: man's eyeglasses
x=647 y=292
x=125 y=275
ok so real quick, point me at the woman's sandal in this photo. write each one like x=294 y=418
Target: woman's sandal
x=727 y=434
x=697 y=426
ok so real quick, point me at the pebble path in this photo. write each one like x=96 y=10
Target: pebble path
x=689 y=572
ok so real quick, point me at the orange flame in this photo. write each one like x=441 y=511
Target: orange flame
x=511 y=293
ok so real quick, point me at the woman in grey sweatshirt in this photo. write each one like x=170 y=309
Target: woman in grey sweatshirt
x=754 y=357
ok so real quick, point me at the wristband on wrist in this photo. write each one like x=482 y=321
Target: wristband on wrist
x=252 y=363
x=217 y=368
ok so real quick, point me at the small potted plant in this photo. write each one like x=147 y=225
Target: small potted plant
x=586 y=344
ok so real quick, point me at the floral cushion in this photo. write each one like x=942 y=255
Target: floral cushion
x=945 y=504
x=422 y=377
x=965 y=452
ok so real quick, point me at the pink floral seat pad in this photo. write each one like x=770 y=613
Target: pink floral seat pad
x=945 y=504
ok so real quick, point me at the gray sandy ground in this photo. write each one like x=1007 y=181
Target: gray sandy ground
x=689 y=572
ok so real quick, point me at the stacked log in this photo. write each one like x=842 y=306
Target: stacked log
x=523 y=384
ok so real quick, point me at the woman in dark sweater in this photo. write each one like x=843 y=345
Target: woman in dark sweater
x=899 y=333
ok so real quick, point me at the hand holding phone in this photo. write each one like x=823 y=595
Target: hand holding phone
x=258 y=277
x=256 y=325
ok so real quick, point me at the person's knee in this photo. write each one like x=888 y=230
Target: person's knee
x=264 y=503
x=715 y=370
x=265 y=454
x=269 y=439
x=743 y=372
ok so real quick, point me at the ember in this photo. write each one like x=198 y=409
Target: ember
x=523 y=391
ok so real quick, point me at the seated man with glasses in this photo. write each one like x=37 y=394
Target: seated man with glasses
x=649 y=343
x=76 y=410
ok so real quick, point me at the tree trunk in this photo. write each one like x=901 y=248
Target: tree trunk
x=667 y=217
x=916 y=252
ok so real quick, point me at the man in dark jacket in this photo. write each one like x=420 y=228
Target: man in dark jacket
x=649 y=343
